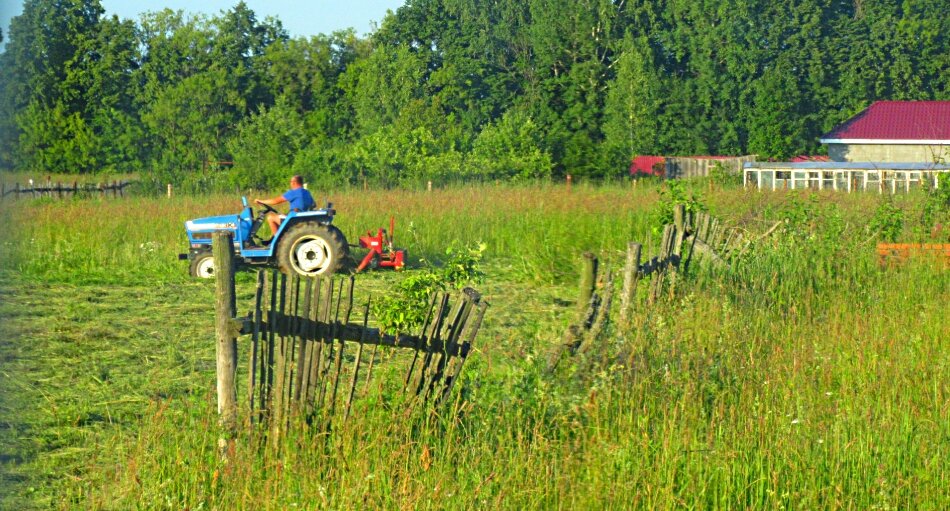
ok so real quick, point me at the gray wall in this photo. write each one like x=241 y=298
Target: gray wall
x=889 y=153
x=681 y=167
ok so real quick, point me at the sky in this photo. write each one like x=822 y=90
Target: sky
x=299 y=17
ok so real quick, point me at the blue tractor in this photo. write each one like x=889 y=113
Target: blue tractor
x=307 y=243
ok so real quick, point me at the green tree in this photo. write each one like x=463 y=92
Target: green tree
x=630 y=115
x=191 y=121
x=599 y=81
x=306 y=73
x=198 y=80
x=65 y=86
x=510 y=148
x=383 y=87
x=265 y=145
x=777 y=128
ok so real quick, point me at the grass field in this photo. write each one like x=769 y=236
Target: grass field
x=802 y=377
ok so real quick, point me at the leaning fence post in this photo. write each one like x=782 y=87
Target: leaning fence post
x=631 y=276
x=586 y=312
x=588 y=281
x=669 y=232
x=226 y=346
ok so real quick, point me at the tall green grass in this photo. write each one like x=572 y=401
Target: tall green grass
x=803 y=376
x=536 y=231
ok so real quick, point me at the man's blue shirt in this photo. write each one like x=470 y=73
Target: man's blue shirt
x=300 y=199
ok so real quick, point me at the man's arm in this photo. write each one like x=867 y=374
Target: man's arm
x=272 y=202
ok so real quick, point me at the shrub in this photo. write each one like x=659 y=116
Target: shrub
x=888 y=220
x=407 y=307
x=675 y=192
x=935 y=215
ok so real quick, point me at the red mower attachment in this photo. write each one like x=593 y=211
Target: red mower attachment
x=381 y=252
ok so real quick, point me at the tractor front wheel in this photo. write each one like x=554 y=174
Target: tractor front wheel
x=202 y=265
x=311 y=249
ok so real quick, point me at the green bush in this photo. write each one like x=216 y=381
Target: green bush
x=935 y=214
x=675 y=192
x=888 y=220
x=510 y=148
x=407 y=306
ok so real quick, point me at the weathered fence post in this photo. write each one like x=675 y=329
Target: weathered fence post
x=226 y=347
x=669 y=234
x=586 y=312
x=17 y=195
x=588 y=281
x=631 y=276
x=676 y=252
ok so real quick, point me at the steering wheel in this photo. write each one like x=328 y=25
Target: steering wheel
x=259 y=221
x=267 y=207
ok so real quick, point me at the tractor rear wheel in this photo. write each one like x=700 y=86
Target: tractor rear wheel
x=202 y=265
x=312 y=249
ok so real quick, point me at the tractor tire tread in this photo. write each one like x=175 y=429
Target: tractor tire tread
x=331 y=234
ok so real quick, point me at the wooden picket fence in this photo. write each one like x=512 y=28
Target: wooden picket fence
x=306 y=355
x=690 y=236
x=61 y=190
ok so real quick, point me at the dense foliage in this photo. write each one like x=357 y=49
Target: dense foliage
x=452 y=89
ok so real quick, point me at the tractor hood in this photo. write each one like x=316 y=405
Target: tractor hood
x=213 y=223
x=199 y=230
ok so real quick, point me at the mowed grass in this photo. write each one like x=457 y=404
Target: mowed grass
x=804 y=376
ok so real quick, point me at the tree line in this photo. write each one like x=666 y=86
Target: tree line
x=452 y=89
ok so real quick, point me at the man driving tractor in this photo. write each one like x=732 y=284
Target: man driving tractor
x=298 y=197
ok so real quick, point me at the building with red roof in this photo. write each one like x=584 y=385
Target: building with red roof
x=894 y=131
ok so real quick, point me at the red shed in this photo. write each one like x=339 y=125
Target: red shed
x=648 y=166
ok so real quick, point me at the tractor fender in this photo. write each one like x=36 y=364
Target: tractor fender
x=294 y=219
